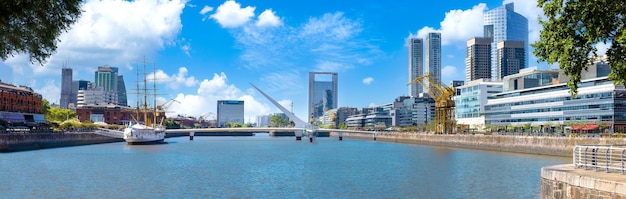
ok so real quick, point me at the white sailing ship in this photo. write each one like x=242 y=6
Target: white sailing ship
x=145 y=133
x=142 y=134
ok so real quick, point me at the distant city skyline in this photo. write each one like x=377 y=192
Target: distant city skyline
x=204 y=56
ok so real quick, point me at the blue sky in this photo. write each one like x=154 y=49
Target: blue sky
x=206 y=51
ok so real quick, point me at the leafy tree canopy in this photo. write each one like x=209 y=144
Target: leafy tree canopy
x=33 y=26
x=572 y=30
x=278 y=121
x=57 y=114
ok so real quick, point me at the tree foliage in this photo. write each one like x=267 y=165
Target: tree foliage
x=56 y=114
x=33 y=27
x=572 y=30
x=278 y=121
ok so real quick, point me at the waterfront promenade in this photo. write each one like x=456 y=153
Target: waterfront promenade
x=544 y=145
x=565 y=181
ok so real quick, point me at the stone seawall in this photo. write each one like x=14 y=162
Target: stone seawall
x=563 y=181
x=34 y=141
x=558 y=146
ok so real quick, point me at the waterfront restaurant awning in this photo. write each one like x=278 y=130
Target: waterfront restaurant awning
x=590 y=127
x=575 y=127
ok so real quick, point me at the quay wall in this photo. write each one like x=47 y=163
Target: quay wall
x=178 y=134
x=564 y=181
x=557 y=146
x=32 y=141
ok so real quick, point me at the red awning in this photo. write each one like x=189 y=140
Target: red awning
x=575 y=127
x=590 y=127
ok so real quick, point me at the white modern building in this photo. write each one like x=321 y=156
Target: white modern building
x=470 y=104
x=95 y=96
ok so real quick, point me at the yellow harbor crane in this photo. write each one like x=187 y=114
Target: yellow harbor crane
x=444 y=105
x=161 y=109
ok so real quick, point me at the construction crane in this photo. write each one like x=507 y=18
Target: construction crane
x=444 y=105
x=163 y=107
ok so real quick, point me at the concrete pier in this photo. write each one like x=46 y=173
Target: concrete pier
x=564 y=181
x=34 y=141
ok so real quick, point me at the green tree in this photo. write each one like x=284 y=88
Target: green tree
x=342 y=125
x=572 y=30
x=45 y=106
x=56 y=114
x=33 y=27
x=278 y=121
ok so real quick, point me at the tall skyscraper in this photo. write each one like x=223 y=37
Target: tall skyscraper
x=503 y=23
x=121 y=91
x=416 y=65
x=66 y=87
x=511 y=57
x=322 y=93
x=433 y=55
x=478 y=59
x=230 y=111
x=108 y=79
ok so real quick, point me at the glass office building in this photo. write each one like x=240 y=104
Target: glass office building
x=503 y=23
x=230 y=111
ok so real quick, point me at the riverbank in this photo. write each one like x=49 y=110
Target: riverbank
x=34 y=141
x=556 y=146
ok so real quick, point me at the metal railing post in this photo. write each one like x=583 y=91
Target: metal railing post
x=623 y=159
x=585 y=158
x=623 y=150
x=606 y=158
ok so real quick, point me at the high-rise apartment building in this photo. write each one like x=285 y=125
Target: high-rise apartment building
x=433 y=56
x=322 y=93
x=478 y=59
x=66 y=87
x=511 y=58
x=416 y=65
x=503 y=23
x=230 y=111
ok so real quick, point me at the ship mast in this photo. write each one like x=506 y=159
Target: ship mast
x=154 y=111
x=145 y=94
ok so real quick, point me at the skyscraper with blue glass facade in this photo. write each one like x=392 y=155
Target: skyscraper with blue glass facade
x=501 y=24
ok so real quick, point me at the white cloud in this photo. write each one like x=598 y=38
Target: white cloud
x=268 y=19
x=332 y=26
x=448 y=71
x=458 y=25
x=50 y=91
x=331 y=42
x=206 y=9
x=211 y=90
x=368 y=80
x=109 y=32
x=174 y=81
x=231 y=15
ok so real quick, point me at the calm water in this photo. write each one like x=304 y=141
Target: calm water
x=269 y=167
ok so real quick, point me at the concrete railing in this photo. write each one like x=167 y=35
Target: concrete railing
x=607 y=158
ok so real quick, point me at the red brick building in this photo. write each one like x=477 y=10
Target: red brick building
x=114 y=114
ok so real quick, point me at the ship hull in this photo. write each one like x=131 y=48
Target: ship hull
x=139 y=134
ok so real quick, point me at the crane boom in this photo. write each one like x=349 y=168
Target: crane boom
x=444 y=105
